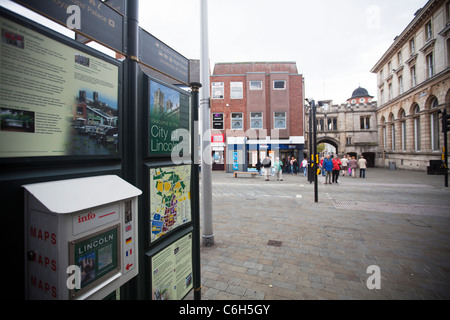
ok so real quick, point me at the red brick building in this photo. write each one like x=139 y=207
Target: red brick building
x=257 y=110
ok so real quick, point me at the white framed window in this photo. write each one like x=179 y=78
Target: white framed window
x=430 y=65
x=384 y=137
x=435 y=143
x=236 y=90
x=403 y=127
x=412 y=46
x=237 y=121
x=217 y=89
x=279 y=85
x=413 y=77
x=393 y=136
x=391 y=92
x=256 y=120
x=429 y=30
x=417 y=128
x=400 y=58
x=400 y=84
x=279 y=120
x=447 y=11
x=255 y=85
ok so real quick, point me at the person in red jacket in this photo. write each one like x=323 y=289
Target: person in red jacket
x=337 y=165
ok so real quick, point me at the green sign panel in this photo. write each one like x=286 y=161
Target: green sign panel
x=97 y=256
x=168 y=111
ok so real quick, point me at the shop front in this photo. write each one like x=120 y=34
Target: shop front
x=218 y=152
x=243 y=154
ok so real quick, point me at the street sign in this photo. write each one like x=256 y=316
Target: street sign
x=159 y=56
x=98 y=21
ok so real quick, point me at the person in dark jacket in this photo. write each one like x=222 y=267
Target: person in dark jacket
x=259 y=166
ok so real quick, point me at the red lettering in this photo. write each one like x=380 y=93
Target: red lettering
x=46 y=287
x=54 y=265
x=46 y=262
x=33 y=232
x=42 y=235
x=86 y=218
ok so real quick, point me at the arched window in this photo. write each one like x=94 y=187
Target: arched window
x=416 y=111
x=391 y=120
x=435 y=145
x=403 y=128
x=383 y=132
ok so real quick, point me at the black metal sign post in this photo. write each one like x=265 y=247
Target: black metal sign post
x=316 y=160
x=311 y=152
x=195 y=192
x=445 y=129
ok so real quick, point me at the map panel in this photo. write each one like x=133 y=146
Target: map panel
x=170 y=199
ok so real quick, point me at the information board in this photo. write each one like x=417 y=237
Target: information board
x=97 y=256
x=55 y=99
x=169 y=110
x=172 y=270
x=170 y=199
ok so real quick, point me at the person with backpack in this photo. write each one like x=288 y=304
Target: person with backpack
x=267 y=164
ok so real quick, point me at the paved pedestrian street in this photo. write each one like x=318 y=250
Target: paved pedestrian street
x=273 y=242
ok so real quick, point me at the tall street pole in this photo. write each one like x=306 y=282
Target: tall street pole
x=316 y=156
x=206 y=182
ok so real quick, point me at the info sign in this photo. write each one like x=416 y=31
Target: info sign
x=55 y=100
x=97 y=20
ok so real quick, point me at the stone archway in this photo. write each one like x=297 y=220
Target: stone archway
x=331 y=141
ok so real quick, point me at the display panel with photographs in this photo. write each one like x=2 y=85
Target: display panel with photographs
x=97 y=256
x=169 y=119
x=56 y=99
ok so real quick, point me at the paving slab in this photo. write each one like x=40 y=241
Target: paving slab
x=273 y=242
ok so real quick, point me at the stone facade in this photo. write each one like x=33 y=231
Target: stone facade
x=413 y=88
x=350 y=127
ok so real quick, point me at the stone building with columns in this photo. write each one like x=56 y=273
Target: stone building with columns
x=413 y=89
x=351 y=127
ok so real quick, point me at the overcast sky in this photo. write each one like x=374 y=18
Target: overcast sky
x=334 y=43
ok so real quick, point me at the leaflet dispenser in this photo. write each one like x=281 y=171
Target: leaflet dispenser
x=80 y=237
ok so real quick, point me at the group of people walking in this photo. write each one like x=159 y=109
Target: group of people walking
x=330 y=166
